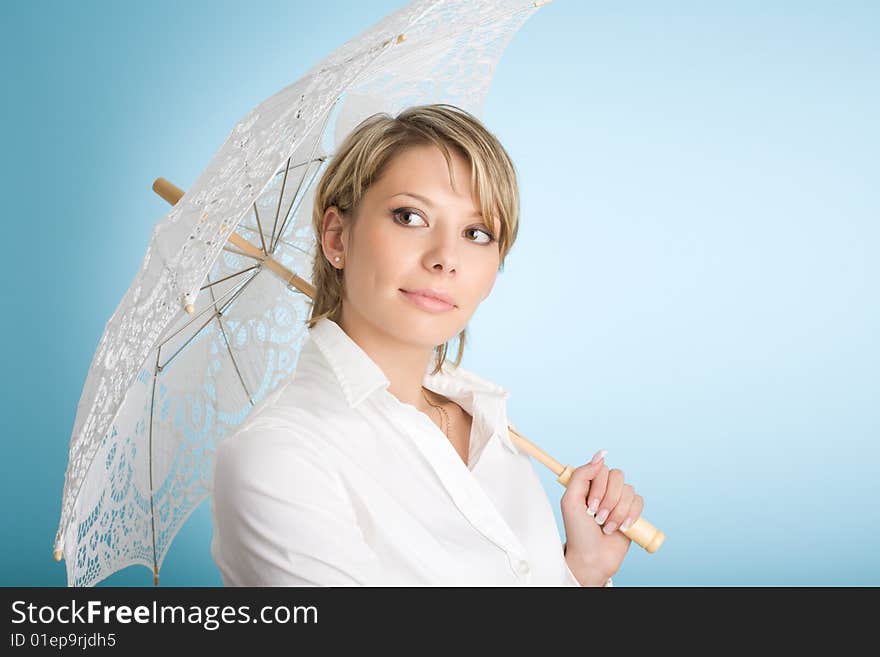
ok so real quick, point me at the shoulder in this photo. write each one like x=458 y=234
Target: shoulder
x=294 y=413
x=271 y=442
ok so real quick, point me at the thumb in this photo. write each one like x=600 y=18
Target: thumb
x=579 y=483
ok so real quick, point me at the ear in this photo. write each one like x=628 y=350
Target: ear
x=332 y=238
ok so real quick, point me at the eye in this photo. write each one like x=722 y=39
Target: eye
x=404 y=212
x=489 y=237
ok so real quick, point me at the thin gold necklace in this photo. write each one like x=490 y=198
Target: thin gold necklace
x=442 y=410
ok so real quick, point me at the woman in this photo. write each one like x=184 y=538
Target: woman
x=380 y=462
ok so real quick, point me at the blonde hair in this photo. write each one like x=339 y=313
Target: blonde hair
x=368 y=150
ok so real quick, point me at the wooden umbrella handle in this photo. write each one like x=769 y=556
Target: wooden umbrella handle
x=641 y=531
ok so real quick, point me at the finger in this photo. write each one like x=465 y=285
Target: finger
x=620 y=510
x=612 y=495
x=635 y=512
x=597 y=489
x=580 y=481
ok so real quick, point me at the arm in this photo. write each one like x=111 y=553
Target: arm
x=281 y=517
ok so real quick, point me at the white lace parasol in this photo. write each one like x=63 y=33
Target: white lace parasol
x=205 y=333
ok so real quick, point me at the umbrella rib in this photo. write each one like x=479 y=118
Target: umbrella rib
x=289 y=214
x=201 y=312
x=257 y=215
x=226 y=278
x=150 y=458
x=158 y=368
x=229 y=349
x=309 y=160
x=278 y=209
x=320 y=158
x=208 y=321
x=273 y=242
x=290 y=244
x=241 y=253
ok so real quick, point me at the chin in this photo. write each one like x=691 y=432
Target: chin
x=423 y=328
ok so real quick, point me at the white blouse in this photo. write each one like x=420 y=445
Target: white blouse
x=333 y=481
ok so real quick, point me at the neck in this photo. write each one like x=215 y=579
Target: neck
x=404 y=364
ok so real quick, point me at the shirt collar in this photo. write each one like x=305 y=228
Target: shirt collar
x=359 y=376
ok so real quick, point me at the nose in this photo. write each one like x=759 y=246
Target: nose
x=442 y=254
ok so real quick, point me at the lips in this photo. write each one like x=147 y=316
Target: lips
x=427 y=303
x=432 y=294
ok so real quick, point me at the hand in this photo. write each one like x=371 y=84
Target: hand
x=594 y=550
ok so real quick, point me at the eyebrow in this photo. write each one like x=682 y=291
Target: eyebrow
x=427 y=202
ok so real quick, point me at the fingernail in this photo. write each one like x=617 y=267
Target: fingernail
x=602 y=515
x=593 y=506
x=598 y=456
x=626 y=524
x=610 y=527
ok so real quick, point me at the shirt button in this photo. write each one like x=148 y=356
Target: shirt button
x=523 y=568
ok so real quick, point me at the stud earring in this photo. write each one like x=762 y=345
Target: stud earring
x=336 y=258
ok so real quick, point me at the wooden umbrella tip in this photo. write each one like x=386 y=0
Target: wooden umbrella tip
x=58 y=555
x=189 y=308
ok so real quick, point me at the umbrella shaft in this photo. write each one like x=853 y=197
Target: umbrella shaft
x=172 y=193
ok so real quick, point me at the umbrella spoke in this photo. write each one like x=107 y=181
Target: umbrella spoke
x=298 y=199
x=257 y=213
x=274 y=266
x=158 y=368
x=278 y=209
x=241 y=253
x=199 y=314
x=260 y=228
x=229 y=349
x=290 y=244
x=213 y=315
x=305 y=171
x=320 y=158
x=150 y=459
x=293 y=200
x=226 y=278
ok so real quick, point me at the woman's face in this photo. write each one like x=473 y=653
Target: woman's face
x=402 y=242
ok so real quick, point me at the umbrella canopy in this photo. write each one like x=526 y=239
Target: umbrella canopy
x=207 y=331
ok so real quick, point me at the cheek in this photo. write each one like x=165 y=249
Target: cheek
x=386 y=256
x=482 y=277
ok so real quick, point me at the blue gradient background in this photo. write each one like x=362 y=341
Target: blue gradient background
x=693 y=288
